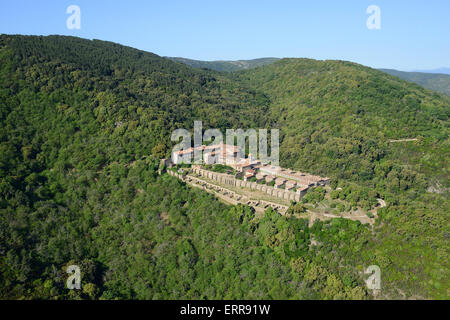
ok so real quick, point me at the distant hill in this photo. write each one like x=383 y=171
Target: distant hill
x=228 y=66
x=439 y=70
x=439 y=82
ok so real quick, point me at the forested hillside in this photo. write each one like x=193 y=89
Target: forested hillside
x=347 y=121
x=227 y=66
x=434 y=81
x=83 y=124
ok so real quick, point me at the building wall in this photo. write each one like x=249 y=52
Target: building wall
x=232 y=181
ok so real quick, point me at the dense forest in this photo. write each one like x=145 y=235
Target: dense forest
x=225 y=66
x=434 y=81
x=83 y=124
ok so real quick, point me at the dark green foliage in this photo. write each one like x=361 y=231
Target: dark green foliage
x=356 y=195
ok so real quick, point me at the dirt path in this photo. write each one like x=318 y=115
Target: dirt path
x=403 y=140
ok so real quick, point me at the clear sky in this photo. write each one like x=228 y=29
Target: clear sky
x=414 y=34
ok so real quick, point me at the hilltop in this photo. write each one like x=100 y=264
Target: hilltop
x=439 y=82
x=228 y=66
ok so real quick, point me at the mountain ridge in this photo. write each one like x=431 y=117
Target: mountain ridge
x=439 y=82
x=225 y=65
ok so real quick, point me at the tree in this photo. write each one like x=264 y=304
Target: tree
x=159 y=151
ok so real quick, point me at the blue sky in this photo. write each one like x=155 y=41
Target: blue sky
x=414 y=34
